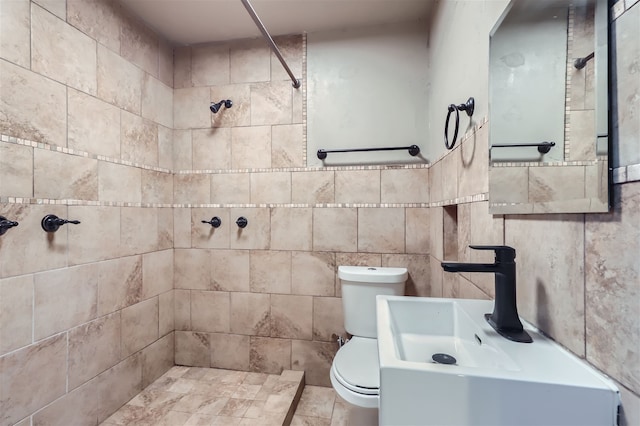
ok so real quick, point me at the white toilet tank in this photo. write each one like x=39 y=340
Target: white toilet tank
x=360 y=286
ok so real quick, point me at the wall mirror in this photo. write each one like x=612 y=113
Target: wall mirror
x=548 y=108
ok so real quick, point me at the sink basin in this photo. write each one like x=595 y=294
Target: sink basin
x=487 y=379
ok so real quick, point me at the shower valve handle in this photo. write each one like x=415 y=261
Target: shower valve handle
x=51 y=222
x=6 y=224
x=242 y=222
x=215 y=222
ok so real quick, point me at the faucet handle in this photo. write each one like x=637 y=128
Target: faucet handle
x=503 y=253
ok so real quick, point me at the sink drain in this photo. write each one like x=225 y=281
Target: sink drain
x=443 y=359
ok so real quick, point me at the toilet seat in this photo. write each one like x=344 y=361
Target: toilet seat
x=355 y=372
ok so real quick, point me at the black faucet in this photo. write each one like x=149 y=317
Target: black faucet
x=504 y=318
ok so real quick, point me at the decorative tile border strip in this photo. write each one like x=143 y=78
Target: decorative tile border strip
x=304 y=99
x=625 y=174
x=545 y=164
x=568 y=78
x=78 y=153
x=306 y=169
x=467 y=135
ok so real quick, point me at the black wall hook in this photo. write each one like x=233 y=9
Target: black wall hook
x=242 y=222
x=6 y=224
x=51 y=222
x=215 y=222
x=469 y=107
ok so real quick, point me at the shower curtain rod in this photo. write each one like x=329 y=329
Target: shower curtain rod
x=274 y=48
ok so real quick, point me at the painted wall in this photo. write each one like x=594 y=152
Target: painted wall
x=86 y=314
x=367 y=88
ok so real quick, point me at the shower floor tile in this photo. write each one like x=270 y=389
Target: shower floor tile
x=186 y=396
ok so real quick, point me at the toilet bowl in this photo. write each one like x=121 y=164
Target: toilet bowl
x=355 y=371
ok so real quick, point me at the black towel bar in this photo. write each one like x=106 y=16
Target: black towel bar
x=413 y=150
x=543 y=147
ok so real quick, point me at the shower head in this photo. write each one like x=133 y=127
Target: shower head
x=216 y=107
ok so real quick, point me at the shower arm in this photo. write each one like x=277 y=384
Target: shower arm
x=272 y=44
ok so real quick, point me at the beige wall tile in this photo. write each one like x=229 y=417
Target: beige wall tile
x=250 y=314
x=271 y=103
x=138 y=230
x=291 y=316
x=166 y=313
x=543 y=183
x=157 y=359
x=93 y=348
x=57 y=175
x=230 y=188
x=16 y=312
x=157 y=187
x=79 y=406
x=89 y=243
x=551 y=297
x=118 y=385
x=165 y=62
x=469 y=290
x=210 y=311
x=435 y=182
x=230 y=270
x=404 y=186
x=204 y=235
x=211 y=149
x=272 y=188
x=298 y=106
x=139 y=45
x=182 y=67
x=270 y=272
x=182 y=301
x=509 y=184
x=111 y=182
x=314 y=358
x=450 y=165
x=165 y=147
x=182 y=150
x=119 y=81
x=250 y=61
x=157 y=273
x=139 y=326
x=240 y=112
x=335 y=229
x=37 y=251
x=269 y=355
x=15 y=32
x=43 y=363
x=63 y=299
x=291 y=228
x=257 y=233
x=473 y=164
x=286 y=146
x=435 y=277
x=139 y=140
x=16 y=170
x=418 y=283
x=436 y=232
x=192 y=269
x=191 y=108
x=612 y=287
x=33 y=107
x=57 y=7
x=119 y=284
x=291 y=48
x=182 y=227
x=210 y=65
x=191 y=189
x=328 y=318
x=165 y=228
x=230 y=351
x=381 y=230
x=61 y=52
x=157 y=101
x=313 y=273
x=94 y=125
x=100 y=20
x=357 y=186
x=583 y=129
x=193 y=349
x=251 y=147
x=417 y=230
x=312 y=187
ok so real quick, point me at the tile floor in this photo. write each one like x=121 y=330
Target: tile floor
x=190 y=396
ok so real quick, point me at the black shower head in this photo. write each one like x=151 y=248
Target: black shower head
x=216 y=107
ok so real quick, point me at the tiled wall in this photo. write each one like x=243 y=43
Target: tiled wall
x=86 y=313
x=578 y=274
x=266 y=298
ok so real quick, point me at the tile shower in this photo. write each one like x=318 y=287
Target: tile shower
x=118 y=135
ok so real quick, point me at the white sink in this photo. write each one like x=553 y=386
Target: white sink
x=494 y=381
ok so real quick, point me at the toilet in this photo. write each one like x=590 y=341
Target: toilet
x=355 y=372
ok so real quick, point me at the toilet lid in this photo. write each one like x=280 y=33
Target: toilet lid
x=357 y=363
